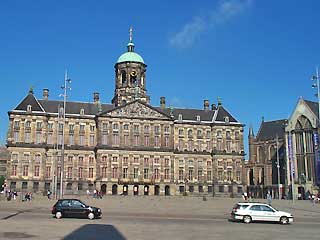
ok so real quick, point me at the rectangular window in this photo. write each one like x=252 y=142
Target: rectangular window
x=125 y=160
x=229 y=175
x=82 y=127
x=104 y=172
x=71 y=139
x=60 y=139
x=191 y=174
x=180 y=132
x=80 y=160
x=104 y=159
x=238 y=175
x=114 y=172
x=146 y=141
x=27 y=137
x=59 y=172
x=156 y=160
x=181 y=174
x=90 y=172
x=190 y=145
x=38 y=137
x=199 y=175
x=114 y=159
x=115 y=139
x=49 y=141
x=146 y=128
x=16 y=124
x=156 y=129
x=70 y=159
x=166 y=174
x=156 y=141
x=91 y=160
x=166 y=129
x=166 y=141
x=146 y=161
x=91 y=140
x=136 y=128
x=135 y=172
x=16 y=136
x=199 y=145
x=104 y=139
x=209 y=176
x=126 y=140
x=136 y=160
x=36 y=171
x=14 y=170
x=39 y=125
x=50 y=126
x=156 y=173
x=80 y=172
x=92 y=128
x=136 y=140
x=146 y=173
x=220 y=177
x=71 y=128
x=219 y=145
x=48 y=171
x=81 y=143
x=25 y=171
x=69 y=172
x=104 y=126
x=181 y=144
x=125 y=173
x=166 y=162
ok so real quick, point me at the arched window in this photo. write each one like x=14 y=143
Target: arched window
x=123 y=77
x=29 y=108
x=272 y=152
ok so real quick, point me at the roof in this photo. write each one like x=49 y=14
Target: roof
x=130 y=57
x=190 y=115
x=313 y=106
x=269 y=130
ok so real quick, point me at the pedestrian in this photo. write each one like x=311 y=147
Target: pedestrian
x=49 y=194
x=269 y=198
x=94 y=193
x=88 y=193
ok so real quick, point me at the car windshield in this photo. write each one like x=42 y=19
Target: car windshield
x=240 y=206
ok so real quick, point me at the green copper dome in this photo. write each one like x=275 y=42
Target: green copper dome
x=130 y=57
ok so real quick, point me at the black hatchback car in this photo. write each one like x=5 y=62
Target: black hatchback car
x=74 y=208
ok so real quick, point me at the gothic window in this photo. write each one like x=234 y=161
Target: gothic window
x=261 y=154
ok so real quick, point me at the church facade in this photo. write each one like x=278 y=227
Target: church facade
x=127 y=147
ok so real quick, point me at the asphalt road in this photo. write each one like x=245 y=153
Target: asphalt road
x=153 y=219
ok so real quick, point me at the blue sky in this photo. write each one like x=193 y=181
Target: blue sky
x=257 y=56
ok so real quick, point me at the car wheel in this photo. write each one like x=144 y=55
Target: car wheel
x=247 y=219
x=284 y=220
x=58 y=215
x=91 y=216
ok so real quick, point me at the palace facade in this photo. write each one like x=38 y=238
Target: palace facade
x=127 y=147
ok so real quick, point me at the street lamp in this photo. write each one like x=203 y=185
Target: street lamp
x=278 y=165
x=65 y=87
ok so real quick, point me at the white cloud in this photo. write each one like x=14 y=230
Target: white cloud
x=225 y=11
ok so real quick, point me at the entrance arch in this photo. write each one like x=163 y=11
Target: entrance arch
x=146 y=190
x=136 y=190
x=114 y=189
x=125 y=190
x=167 y=190
x=157 y=190
x=103 y=189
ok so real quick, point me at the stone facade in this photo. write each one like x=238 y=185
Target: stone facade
x=127 y=147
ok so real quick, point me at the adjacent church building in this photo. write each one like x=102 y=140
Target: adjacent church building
x=127 y=147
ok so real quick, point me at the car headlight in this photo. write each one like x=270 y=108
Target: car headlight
x=99 y=210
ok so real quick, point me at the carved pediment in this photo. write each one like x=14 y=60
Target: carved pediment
x=136 y=110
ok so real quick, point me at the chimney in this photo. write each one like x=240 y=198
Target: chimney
x=45 y=93
x=163 y=102
x=213 y=107
x=205 y=104
x=96 y=98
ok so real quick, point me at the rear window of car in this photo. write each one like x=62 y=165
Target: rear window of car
x=240 y=206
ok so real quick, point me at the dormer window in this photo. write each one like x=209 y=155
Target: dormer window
x=81 y=111
x=61 y=111
x=29 y=108
x=226 y=119
x=180 y=117
x=198 y=118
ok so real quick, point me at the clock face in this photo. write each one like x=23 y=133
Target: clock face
x=133 y=73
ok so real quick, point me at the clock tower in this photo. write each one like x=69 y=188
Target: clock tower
x=130 y=80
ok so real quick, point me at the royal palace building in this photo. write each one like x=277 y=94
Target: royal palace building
x=127 y=147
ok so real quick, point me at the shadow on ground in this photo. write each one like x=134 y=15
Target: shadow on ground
x=95 y=232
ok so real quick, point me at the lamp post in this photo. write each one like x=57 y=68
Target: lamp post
x=278 y=165
x=65 y=88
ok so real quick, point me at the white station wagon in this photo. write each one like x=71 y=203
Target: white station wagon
x=249 y=212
